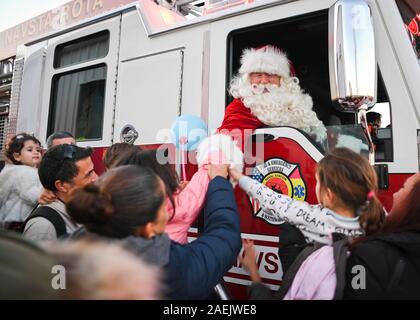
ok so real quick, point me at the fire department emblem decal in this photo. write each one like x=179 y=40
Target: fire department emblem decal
x=282 y=177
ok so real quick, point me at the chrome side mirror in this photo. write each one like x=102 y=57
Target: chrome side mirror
x=352 y=60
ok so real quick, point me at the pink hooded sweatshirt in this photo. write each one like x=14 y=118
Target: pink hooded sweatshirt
x=190 y=201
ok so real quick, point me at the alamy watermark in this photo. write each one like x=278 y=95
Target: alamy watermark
x=186 y=138
x=358 y=282
x=58 y=281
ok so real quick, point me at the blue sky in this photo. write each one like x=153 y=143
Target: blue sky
x=13 y=12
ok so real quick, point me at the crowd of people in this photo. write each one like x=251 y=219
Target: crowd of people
x=124 y=234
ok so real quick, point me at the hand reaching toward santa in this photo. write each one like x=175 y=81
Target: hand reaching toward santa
x=248 y=261
x=219 y=149
x=235 y=174
x=215 y=170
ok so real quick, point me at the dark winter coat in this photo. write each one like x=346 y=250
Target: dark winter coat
x=191 y=271
x=392 y=267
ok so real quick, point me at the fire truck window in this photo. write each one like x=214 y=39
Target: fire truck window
x=81 y=50
x=410 y=13
x=305 y=40
x=379 y=120
x=78 y=103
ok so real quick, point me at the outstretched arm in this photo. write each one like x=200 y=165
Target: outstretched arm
x=208 y=258
x=273 y=203
x=248 y=261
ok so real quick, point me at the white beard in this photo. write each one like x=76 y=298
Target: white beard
x=284 y=105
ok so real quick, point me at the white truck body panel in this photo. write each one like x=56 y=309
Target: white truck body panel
x=152 y=78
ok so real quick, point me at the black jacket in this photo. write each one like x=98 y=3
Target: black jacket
x=392 y=267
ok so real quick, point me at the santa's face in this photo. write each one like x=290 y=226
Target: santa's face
x=275 y=104
x=264 y=78
x=277 y=101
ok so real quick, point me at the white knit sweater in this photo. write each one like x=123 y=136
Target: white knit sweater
x=316 y=222
x=20 y=189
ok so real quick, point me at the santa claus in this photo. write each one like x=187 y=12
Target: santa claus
x=267 y=94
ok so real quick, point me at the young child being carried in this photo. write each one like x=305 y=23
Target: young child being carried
x=19 y=181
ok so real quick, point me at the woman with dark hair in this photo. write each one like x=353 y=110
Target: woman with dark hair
x=129 y=203
x=148 y=159
x=116 y=151
x=386 y=264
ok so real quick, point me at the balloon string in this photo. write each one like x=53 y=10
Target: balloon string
x=183 y=162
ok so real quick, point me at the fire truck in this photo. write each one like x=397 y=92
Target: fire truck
x=127 y=74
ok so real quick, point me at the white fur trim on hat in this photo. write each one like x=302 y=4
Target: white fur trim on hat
x=268 y=59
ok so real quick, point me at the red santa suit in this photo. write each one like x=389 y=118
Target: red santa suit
x=261 y=105
x=237 y=116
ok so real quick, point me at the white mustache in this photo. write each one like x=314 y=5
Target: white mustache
x=263 y=88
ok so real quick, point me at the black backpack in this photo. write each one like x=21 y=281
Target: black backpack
x=52 y=216
x=291 y=243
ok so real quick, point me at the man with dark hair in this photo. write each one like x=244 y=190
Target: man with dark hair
x=374 y=120
x=56 y=138
x=62 y=169
x=60 y=137
x=373 y=117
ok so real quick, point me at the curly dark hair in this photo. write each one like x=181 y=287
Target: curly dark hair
x=16 y=145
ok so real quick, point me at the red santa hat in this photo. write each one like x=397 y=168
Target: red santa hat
x=268 y=59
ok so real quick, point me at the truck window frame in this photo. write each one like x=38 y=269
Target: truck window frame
x=51 y=127
x=313 y=26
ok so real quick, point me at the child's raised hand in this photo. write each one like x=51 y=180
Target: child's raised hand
x=215 y=170
x=235 y=174
x=248 y=260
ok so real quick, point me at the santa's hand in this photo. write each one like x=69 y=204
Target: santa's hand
x=235 y=174
x=321 y=133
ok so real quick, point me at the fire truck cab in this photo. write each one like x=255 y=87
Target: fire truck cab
x=132 y=71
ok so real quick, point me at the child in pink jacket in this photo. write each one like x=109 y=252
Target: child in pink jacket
x=187 y=204
x=185 y=201
x=189 y=201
